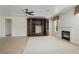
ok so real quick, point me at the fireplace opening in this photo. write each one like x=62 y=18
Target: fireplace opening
x=66 y=35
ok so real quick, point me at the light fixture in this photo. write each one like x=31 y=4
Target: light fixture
x=76 y=12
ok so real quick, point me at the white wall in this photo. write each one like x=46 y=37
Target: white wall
x=69 y=22
x=2 y=27
x=19 y=26
x=51 y=27
x=8 y=26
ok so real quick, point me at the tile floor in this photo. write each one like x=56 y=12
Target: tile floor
x=12 y=45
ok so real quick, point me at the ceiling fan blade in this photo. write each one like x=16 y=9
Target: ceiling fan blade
x=27 y=12
x=31 y=12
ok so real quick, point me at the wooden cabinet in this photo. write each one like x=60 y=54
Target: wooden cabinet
x=40 y=23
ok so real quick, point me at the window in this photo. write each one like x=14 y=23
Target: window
x=55 y=19
x=56 y=25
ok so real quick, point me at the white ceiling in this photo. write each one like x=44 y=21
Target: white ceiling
x=39 y=10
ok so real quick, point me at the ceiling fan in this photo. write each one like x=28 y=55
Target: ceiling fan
x=27 y=12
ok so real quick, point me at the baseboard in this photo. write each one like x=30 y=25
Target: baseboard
x=74 y=42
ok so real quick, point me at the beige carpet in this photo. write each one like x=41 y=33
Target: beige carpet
x=49 y=45
x=12 y=45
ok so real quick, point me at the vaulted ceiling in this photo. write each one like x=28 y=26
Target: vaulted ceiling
x=39 y=10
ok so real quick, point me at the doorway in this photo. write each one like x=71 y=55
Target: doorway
x=8 y=27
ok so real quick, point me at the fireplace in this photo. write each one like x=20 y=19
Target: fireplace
x=66 y=35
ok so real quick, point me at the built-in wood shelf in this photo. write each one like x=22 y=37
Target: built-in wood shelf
x=40 y=23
